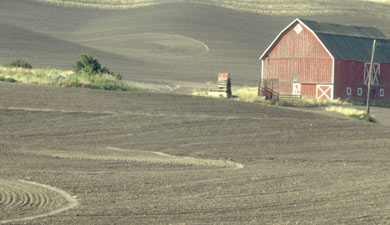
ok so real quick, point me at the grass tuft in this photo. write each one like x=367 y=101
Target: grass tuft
x=200 y=92
x=308 y=102
x=351 y=112
x=208 y=93
x=248 y=94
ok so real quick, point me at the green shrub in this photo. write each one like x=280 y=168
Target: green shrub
x=89 y=65
x=10 y=79
x=7 y=79
x=117 y=76
x=20 y=63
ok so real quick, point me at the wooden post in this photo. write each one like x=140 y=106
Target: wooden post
x=369 y=77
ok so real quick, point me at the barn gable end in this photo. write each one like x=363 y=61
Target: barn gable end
x=307 y=40
x=325 y=61
x=297 y=56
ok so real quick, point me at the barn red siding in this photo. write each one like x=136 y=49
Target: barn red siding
x=309 y=90
x=350 y=74
x=294 y=45
x=384 y=79
x=297 y=57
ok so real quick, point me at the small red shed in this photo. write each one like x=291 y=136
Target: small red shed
x=327 y=61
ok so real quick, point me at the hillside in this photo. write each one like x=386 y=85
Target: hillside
x=280 y=7
x=164 y=43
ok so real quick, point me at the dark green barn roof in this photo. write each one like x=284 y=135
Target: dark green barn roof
x=330 y=28
x=351 y=42
x=355 y=48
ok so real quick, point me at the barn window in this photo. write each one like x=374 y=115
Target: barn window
x=349 y=91
x=382 y=92
x=359 y=91
x=298 y=29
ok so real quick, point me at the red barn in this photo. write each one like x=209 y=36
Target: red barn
x=327 y=61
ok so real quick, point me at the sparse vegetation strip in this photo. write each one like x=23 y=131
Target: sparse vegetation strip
x=249 y=94
x=351 y=112
x=89 y=74
x=335 y=106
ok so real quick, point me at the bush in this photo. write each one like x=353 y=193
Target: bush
x=20 y=63
x=89 y=65
x=7 y=79
x=10 y=79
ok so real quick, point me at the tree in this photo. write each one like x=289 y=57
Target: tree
x=91 y=66
x=88 y=65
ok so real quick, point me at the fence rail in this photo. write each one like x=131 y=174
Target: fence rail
x=272 y=94
x=289 y=97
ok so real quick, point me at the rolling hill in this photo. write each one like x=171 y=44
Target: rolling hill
x=179 y=41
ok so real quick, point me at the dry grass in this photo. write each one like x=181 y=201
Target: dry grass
x=248 y=94
x=34 y=76
x=205 y=93
x=308 y=102
x=351 y=112
x=62 y=78
x=334 y=106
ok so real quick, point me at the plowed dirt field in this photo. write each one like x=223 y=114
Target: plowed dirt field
x=74 y=156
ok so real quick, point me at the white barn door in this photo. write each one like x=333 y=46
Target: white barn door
x=376 y=72
x=324 y=92
x=296 y=89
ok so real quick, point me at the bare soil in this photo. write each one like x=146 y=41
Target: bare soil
x=154 y=158
x=77 y=156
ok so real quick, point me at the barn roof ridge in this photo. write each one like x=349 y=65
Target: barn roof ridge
x=351 y=36
x=341 y=29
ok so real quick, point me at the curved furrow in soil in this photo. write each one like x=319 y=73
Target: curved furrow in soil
x=25 y=200
x=128 y=155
